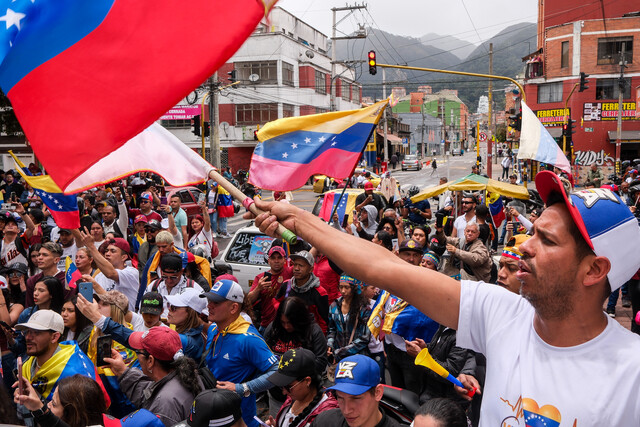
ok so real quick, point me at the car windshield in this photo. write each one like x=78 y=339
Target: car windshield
x=249 y=248
x=410 y=157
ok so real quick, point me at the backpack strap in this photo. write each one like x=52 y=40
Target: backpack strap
x=189 y=283
x=154 y=285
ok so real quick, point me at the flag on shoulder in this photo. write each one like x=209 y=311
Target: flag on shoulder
x=84 y=77
x=292 y=149
x=536 y=143
x=63 y=208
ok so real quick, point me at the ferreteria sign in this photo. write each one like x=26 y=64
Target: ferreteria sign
x=601 y=111
x=553 y=117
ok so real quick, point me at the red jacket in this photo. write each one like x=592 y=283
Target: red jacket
x=329 y=403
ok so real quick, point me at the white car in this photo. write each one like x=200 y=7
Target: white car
x=246 y=254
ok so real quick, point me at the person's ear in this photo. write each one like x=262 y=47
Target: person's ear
x=598 y=268
x=55 y=337
x=379 y=392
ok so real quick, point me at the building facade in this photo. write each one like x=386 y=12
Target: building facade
x=588 y=42
x=283 y=70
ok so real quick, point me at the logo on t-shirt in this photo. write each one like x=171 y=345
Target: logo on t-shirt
x=534 y=415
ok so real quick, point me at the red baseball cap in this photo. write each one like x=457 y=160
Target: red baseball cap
x=160 y=342
x=122 y=244
x=140 y=218
x=368 y=185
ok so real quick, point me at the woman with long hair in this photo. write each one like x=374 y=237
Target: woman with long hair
x=167 y=383
x=12 y=298
x=348 y=316
x=84 y=262
x=34 y=251
x=302 y=385
x=420 y=234
x=201 y=233
x=97 y=232
x=294 y=327
x=48 y=294
x=76 y=326
x=77 y=402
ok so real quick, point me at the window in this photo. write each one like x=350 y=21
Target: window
x=355 y=94
x=564 y=59
x=253 y=114
x=608 y=89
x=176 y=124
x=321 y=82
x=288 y=110
x=549 y=92
x=287 y=74
x=266 y=70
x=609 y=50
x=345 y=90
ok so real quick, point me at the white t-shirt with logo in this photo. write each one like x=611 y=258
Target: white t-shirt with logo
x=10 y=254
x=530 y=382
x=128 y=283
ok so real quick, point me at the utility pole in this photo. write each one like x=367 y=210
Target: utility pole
x=621 y=88
x=422 y=127
x=384 y=115
x=491 y=130
x=333 y=45
x=214 y=118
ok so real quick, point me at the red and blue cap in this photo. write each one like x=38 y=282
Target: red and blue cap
x=356 y=374
x=605 y=222
x=225 y=290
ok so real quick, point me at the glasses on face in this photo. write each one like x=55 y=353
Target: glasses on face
x=170 y=277
x=387 y=228
x=174 y=308
x=290 y=387
x=142 y=353
x=15 y=274
x=144 y=201
x=467 y=203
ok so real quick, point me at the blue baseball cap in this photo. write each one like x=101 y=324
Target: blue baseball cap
x=139 y=418
x=356 y=374
x=605 y=222
x=225 y=290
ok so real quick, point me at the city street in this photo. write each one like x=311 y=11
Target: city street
x=305 y=198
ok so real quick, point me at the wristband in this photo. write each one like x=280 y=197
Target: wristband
x=40 y=412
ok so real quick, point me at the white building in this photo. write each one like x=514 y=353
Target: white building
x=283 y=70
x=483 y=105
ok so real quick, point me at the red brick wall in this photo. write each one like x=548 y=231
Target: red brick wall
x=307 y=77
x=305 y=110
x=338 y=83
x=227 y=113
x=239 y=158
x=560 y=12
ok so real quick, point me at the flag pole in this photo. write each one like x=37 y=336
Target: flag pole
x=249 y=204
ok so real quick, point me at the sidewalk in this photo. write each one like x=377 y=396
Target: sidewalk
x=623 y=315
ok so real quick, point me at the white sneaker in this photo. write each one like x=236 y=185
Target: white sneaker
x=225 y=236
x=214 y=235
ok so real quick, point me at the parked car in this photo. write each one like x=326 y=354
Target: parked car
x=322 y=183
x=188 y=199
x=246 y=255
x=411 y=161
x=456 y=152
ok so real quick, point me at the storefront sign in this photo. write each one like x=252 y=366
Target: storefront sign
x=602 y=111
x=553 y=117
x=182 y=112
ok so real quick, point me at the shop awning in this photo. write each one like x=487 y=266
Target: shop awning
x=473 y=182
x=393 y=139
x=626 y=136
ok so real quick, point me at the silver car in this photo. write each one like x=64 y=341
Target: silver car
x=411 y=161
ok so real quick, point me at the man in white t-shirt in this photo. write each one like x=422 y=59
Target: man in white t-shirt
x=69 y=248
x=114 y=271
x=468 y=216
x=554 y=357
x=14 y=244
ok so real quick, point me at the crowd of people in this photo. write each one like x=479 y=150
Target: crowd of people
x=149 y=337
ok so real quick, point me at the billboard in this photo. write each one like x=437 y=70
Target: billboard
x=604 y=111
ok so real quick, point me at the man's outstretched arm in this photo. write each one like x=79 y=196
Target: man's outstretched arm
x=434 y=294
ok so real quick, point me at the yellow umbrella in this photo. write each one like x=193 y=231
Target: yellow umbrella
x=473 y=182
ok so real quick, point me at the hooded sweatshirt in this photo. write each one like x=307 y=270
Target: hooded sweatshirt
x=313 y=294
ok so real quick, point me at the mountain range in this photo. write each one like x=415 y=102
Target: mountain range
x=440 y=52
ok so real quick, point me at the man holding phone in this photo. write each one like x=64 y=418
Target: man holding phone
x=11 y=186
x=14 y=244
x=266 y=285
x=145 y=201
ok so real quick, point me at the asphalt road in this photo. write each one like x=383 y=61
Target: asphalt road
x=305 y=198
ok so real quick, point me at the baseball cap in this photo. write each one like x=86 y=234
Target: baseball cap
x=116 y=298
x=152 y=303
x=43 y=320
x=305 y=255
x=155 y=224
x=140 y=218
x=139 y=418
x=356 y=374
x=146 y=196
x=410 y=245
x=19 y=267
x=225 y=289
x=64 y=230
x=368 y=185
x=160 y=342
x=190 y=297
x=122 y=244
x=295 y=363
x=215 y=407
x=512 y=248
x=171 y=262
x=278 y=249
x=605 y=222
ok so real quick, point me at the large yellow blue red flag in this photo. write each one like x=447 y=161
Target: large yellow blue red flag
x=294 y=148
x=63 y=208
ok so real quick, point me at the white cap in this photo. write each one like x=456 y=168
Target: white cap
x=43 y=320
x=3 y=283
x=190 y=297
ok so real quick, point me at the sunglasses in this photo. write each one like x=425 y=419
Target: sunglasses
x=144 y=201
x=467 y=203
x=167 y=277
x=290 y=387
x=142 y=353
x=174 y=308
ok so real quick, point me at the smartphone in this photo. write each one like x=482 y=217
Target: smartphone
x=86 y=290
x=267 y=274
x=103 y=349
x=12 y=197
x=201 y=197
x=163 y=200
x=19 y=375
x=6 y=325
x=345 y=221
x=394 y=243
x=259 y=421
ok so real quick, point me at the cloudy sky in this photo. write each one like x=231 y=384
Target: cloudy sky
x=470 y=20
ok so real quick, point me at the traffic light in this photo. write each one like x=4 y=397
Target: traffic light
x=565 y=130
x=255 y=135
x=206 y=128
x=232 y=76
x=583 y=82
x=572 y=127
x=568 y=129
x=372 y=62
x=473 y=132
x=516 y=121
x=195 y=123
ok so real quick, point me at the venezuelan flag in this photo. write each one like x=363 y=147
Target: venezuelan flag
x=67 y=361
x=346 y=204
x=71 y=274
x=294 y=148
x=63 y=208
x=496 y=208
